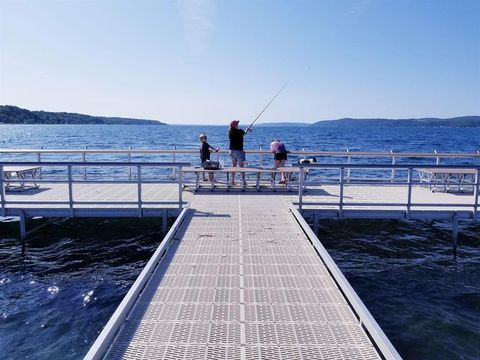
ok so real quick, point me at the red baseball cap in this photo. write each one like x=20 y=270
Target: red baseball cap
x=234 y=123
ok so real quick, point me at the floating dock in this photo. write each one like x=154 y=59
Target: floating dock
x=242 y=279
x=241 y=275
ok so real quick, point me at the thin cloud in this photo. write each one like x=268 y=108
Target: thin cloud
x=197 y=16
x=359 y=7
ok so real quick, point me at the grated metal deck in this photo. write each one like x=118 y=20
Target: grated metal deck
x=241 y=280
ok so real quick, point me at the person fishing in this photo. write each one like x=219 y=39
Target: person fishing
x=237 y=154
x=205 y=150
x=279 y=156
x=236 y=139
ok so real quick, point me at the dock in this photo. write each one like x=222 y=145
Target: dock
x=240 y=274
x=242 y=280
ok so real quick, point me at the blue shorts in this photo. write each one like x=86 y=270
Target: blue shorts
x=237 y=155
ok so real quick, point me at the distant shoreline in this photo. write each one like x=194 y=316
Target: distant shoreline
x=13 y=115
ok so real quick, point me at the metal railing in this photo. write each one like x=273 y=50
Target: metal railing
x=70 y=180
x=366 y=319
x=409 y=183
x=346 y=157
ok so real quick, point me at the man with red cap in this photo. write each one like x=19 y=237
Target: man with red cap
x=237 y=154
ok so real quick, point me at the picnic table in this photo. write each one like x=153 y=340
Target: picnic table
x=447 y=179
x=257 y=171
x=20 y=174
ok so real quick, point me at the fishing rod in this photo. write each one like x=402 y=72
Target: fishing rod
x=261 y=112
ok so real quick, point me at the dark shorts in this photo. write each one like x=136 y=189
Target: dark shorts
x=280 y=156
x=237 y=155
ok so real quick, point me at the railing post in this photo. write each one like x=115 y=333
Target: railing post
x=174 y=160
x=476 y=193
x=349 y=161
x=261 y=158
x=70 y=187
x=139 y=190
x=84 y=158
x=129 y=160
x=437 y=162
x=2 y=191
x=394 y=161
x=340 y=201
x=180 y=188
x=39 y=159
x=409 y=194
x=300 y=188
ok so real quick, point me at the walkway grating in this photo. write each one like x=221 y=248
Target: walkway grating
x=241 y=281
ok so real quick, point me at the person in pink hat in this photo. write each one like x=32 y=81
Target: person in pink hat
x=237 y=154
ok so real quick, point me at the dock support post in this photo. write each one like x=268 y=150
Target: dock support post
x=70 y=189
x=84 y=159
x=129 y=160
x=475 y=194
x=174 y=160
x=2 y=191
x=23 y=230
x=139 y=190
x=340 y=201
x=300 y=189
x=455 y=234
x=409 y=193
x=164 y=221
x=349 y=161
x=315 y=223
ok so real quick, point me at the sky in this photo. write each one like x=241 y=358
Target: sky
x=211 y=61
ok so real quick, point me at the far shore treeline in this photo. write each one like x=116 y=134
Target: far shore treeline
x=14 y=115
x=10 y=114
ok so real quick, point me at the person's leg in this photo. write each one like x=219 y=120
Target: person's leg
x=282 y=164
x=276 y=164
x=241 y=164
x=234 y=164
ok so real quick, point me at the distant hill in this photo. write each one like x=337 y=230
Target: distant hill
x=14 y=115
x=462 y=121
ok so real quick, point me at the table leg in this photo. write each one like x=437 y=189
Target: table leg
x=21 y=180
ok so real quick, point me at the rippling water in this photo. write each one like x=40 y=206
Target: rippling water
x=56 y=298
x=427 y=302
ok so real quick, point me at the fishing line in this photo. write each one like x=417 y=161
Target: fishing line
x=266 y=107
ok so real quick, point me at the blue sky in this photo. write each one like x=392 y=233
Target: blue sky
x=206 y=61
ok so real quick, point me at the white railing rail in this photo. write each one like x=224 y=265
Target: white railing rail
x=70 y=180
x=260 y=156
x=410 y=182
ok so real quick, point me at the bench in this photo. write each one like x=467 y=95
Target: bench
x=288 y=171
x=20 y=174
x=447 y=179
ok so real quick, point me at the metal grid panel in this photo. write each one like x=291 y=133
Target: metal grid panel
x=241 y=281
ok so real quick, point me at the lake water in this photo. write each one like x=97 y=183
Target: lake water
x=56 y=298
